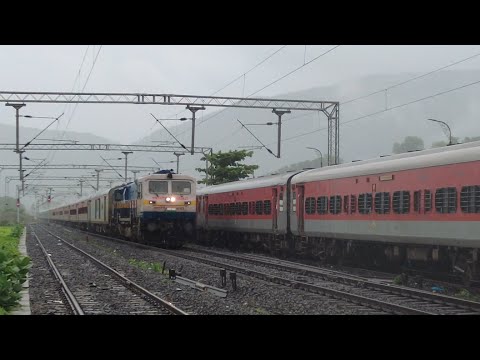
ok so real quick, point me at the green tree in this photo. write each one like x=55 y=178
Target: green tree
x=410 y=143
x=226 y=167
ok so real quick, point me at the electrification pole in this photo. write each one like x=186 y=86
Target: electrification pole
x=81 y=187
x=279 y=125
x=178 y=154
x=194 y=109
x=126 y=162
x=17 y=107
x=98 y=177
x=135 y=172
x=18 y=204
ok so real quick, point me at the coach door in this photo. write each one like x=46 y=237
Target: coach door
x=275 y=208
x=89 y=213
x=205 y=209
x=300 y=207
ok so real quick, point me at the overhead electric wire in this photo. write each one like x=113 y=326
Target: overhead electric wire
x=295 y=70
x=231 y=82
x=385 y=110
x=409 y=80
x=270 y=151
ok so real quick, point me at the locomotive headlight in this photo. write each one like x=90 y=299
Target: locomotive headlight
x=188 y=202
x=167 y=199
x=172 y=199
x=152 y=202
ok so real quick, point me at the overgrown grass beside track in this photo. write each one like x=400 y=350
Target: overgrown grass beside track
x=13 y=267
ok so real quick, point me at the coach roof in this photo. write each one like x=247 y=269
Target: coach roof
x=260 y=182
x=421 y=159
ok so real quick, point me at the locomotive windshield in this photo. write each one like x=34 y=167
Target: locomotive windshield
x=181 y=187
x=158 y=187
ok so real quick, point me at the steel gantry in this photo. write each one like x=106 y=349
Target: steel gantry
x=104 y=147
x=78 y=166
x=192 y=103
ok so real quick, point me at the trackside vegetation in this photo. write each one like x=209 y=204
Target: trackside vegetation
x=13 y=267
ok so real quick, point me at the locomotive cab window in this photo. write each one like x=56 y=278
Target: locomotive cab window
x=181 y=187
x=118 y=195
x=158 y=187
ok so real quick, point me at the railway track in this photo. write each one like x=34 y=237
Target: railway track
x=354 y=289
x=88 y=291
x=435 y=303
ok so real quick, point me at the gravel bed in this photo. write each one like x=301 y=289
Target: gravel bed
x=309 y=279
x=44 y=290
x=96 y=290
x=415 y=282
x=253 y=296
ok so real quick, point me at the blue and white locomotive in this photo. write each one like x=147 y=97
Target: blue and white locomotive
x=157 y=209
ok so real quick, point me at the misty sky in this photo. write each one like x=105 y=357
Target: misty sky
x=198 y=70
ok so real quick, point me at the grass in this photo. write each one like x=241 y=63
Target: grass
x=261 y=311
x=465 y=294
x=9 y=237
x=154 y=266
x=13 y=267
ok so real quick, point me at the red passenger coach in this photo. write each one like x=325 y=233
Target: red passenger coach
x=250 y=212
x=408 y=209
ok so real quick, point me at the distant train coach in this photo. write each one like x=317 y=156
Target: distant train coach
x=419 y=208
x=158 y=209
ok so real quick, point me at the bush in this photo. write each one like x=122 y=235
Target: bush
x=13 y=270
x=13 y=273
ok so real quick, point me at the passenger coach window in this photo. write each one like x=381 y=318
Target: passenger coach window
x=259 y=207
x=416 y=200
x=365 y=203
x=158 y=187
x=470 y=199
x=428 y=200
x=322 y=205
x=401 y=202
x=267 y=207
x=353 y=204
x=345 y=203
x=244 y=208
x=181 y=187
x=446 y=200
x=335 y=204
x=382 y=203
x=310 y=205
x=238 y=208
